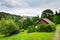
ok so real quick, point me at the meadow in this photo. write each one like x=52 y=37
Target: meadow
x=30 y=36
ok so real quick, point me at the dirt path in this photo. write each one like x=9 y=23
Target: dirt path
x=57 y=35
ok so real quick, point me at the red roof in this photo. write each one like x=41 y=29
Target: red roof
x=44 y=19
x=47 y=20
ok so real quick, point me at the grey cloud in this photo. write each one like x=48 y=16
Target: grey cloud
x=11 y=5
x=24 y=3
x=37 y=3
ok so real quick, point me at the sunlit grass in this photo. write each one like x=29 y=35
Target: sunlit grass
x=30 y=36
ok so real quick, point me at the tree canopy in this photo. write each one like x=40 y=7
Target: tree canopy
x=48 y=13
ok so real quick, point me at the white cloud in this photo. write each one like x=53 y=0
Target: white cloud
x=25 y=11
x=28 y=7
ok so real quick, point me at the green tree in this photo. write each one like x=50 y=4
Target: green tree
x=26 y=23
x=48 y=13
x=56 y=19
x=56 y=13
x=8 y=27
x=34 y=19
x=59 y=14
x=3 y=15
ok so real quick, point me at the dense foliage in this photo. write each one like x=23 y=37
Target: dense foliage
x=48 y=13
x=8 y=27
x=31 y=29
x=56 y=20
x=42 y=28
x=46 y=27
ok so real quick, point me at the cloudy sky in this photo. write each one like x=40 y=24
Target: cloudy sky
x=28 y=7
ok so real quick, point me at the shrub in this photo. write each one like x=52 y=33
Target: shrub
x=42 y=28
x=51 y=27
x=22 y=30
x=8 y=27
x=31 y=29
x=46 y=27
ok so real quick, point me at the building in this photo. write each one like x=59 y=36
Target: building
x=44 y=21
x=24 y=17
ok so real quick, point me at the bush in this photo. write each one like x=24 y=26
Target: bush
x=22 y=30
x=8 y=27
x=31 y=29
x=51 y=27
x=42 y=28
x=46 y=27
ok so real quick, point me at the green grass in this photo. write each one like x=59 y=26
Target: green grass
x=30 y=36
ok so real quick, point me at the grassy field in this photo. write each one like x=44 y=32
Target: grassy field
x=30 y=36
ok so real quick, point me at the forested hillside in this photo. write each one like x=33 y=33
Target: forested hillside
x=8 y=16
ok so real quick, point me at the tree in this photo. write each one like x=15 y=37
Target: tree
x=26 y=23
x=56 y=13
x=8 y=27
x=59 y=14
x=37 y=17
x=3 y=15
x=56 y=19
x=34 y=19
x=48 y=13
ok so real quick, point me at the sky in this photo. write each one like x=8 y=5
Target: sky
x=28 y=7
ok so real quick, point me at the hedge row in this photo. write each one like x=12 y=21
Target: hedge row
x=42 y=28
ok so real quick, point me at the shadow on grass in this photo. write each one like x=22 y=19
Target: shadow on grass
x=42 y=32
x=5 y=36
